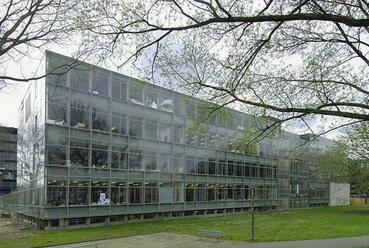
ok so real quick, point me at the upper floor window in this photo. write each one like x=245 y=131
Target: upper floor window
x=151 y=97
x=100 y=83
x=79 y=78
x=136 y=92
x=166 y=101
x=118 y=87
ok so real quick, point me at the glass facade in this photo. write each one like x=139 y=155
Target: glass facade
x=118 y=146
x=8 y=159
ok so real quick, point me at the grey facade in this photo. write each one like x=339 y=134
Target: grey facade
x=8 y=159
x=96 y=146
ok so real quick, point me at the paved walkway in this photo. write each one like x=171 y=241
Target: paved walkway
x=169 y=240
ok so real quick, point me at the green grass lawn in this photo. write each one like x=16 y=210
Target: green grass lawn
x=273 y=226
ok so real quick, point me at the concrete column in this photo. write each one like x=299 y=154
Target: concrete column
x=88 y=221
x=142 y=217
x=62 y=222
x=125 y=219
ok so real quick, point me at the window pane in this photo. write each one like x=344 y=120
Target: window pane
x=152 y=130
x=200 y=192
x=118 y=193
x=58 y=68
x=100 y=83
x=119 y=125
x=115 y=90
x=151 y=193
x=136 y=92
x=123 y=91
x=191 y=109
x=212 y=166
x=58 y=113
x=135 y=193
x=79 y=118
x=99 y=158
x=150 y=162
x=178 y=135
x=151 y=97
x=201 y=166
x=135 y=161
x=178 y=164
x=79 y=156
x=190 y=165
x=164 y=163
x=56 y=155
x=100 y=121
x=135 y=127
x=79 y=78
x=119 y=158
x=179 y=104
x=166 y=101
x=99 y=193
x=56 y=196
x=78 y=196
x=165 y=133
x=190 y=191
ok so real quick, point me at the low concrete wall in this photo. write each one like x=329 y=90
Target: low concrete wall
x=339 y=194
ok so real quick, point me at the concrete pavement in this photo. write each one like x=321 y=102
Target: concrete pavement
x=167 y=240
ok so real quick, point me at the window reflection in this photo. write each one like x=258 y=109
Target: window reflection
x=119 y=124
x=99 y=193
x=151 y=193
x=179 y=105
x=190 y=165
x=164 y=163
x=57 y=113
x=119 y=87
x=178 y=134
x=135 y=160
x=56 y=154
x=100 y=83
x=165 y=133
x=136 y=93
x=150 y=162
x=151 y=130
x=119 y=158
x=57 y=69
x=78 y=193
x=135 y=127
x=100 y=121
x=166 y=101
x=79 y=118
x=135 y=193
x=79 y=156
x=151 y=98
x=118 y=192
x=56 y=193
x=100 y=158
x=79 y=78
x=190 y=193
x=178 y=164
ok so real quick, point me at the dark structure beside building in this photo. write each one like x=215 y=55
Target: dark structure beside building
x=95 y=146
x=8 y=159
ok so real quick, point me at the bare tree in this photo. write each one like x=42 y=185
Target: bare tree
x=26 y=30
x=286 y=59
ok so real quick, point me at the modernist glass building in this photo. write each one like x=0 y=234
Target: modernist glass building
x=8 y=159
x=96 y=146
